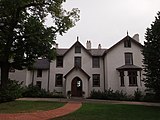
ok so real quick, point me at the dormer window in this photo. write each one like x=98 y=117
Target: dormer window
x=127 y=43
x=77 y=49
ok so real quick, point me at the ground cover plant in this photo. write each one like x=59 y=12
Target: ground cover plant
x=28 y=106
x=96 y=111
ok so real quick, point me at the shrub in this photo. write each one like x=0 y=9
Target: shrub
x=138 y=95
x=35 y=91
x=11 y=92
x=108 y=95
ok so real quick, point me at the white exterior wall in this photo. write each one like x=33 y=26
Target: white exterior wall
x=116 y=58
x=19 y=75
x=43 y=79
x=68 y=64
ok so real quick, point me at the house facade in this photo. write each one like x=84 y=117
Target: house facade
x=82 y=69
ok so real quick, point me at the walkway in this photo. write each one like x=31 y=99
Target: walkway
x=45 y=115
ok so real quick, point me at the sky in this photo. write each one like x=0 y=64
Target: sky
x=106 y=22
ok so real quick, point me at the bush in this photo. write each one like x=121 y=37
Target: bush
x=108 y=95
x=35 y=91
x=150 y=97
x=12 y=91
x=138 y=95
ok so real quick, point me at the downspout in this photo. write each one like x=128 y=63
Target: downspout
x=48 y=77
x=32 y=78
x=104 y=73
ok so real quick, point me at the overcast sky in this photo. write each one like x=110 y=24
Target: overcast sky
x=106 y=22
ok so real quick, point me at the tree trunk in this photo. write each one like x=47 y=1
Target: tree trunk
x=4 y=74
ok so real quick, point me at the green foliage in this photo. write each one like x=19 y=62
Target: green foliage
x=35 y=91
x=152 y=57
x=28 y=106
x=24 y=35
x=95 y=111
x=138 y=95
x=108 y=95
x=11 y=92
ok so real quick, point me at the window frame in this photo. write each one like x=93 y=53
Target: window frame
x=79 y=60
x=127 y=43
x=77 y=49
x=96 y=62
x=57 y=81
x=128 y=60
x=39 y=84
x=58 y=63
x=96 y=80
x=121 y=74
x=132 y=76
x=39 y=72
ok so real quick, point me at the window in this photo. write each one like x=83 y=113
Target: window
x=38 y=83
x=132 y=78
x=11 y=69
x=122 y=77
x=39 y=73
x=59 y=80
x=77 y=61
x=59 y=61
x=127 y=43
x=96 y=80
x=95 y=62
x=128 y=58
x=77 y=49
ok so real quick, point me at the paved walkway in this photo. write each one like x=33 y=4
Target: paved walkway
x=45 y=115
x=71 y=106
x=81 y=100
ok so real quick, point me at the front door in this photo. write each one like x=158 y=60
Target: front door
x=76 y=87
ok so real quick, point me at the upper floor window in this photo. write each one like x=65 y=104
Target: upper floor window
x=132 y=78
x=128 y=58
x=59 y=61
x=59 y=80
x=96 y=80
x=39 y=73
x=77 y=61
x=77 y=49
x=127 y=43
x=95 y=62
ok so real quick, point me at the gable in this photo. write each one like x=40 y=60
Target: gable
x=124 y=40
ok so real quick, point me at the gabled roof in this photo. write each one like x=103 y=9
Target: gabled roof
x=91 y=52
x=79 y=44
x=41 y=64
x=77 y=68
x=61 y=52
x=124 y=39
x=129 y=67
x=97 y=52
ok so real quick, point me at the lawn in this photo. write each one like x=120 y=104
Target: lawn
x=28 y=106
x=91 y=111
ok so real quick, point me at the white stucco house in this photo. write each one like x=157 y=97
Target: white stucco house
x=82 y=69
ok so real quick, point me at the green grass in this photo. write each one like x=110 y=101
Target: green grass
x=90 y=111
x=28 y=106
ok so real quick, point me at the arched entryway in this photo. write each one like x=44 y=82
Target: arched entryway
x=76 y=88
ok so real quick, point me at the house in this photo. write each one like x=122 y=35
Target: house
x=82 y=69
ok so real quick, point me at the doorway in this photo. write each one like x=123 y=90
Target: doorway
x=76 y=87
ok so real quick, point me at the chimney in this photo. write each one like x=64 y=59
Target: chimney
x=88 y=44
x=136 y=37
x=99 y=46
x=56 y=45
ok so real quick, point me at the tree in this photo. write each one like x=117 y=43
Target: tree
x=24 y=35
x=151 y=59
